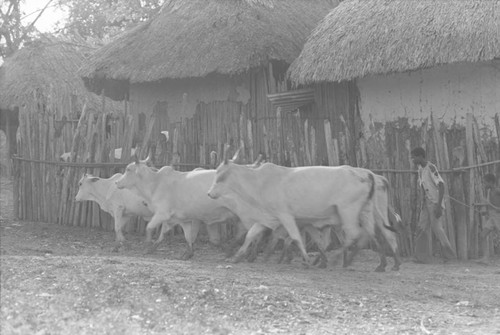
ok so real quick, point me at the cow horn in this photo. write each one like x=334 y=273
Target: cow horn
x=213 y=159
x=226 y=149
x=258 y=161
x=236 y=155
x=148 y=160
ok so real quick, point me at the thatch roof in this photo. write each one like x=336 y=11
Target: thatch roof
x=199 y=37
x=366 y=37
x=45 y=68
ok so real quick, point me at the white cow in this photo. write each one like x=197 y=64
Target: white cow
x=175 y=196
x=385 y=231
x=272 y=195
x=121 y=204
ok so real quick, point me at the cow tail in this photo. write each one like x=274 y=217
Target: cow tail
x=363 y=218
x=389 y=227
x=372 y=189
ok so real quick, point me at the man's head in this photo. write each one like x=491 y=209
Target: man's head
x=490 y=181
x=418 y=156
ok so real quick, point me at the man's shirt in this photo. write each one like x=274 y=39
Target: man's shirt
x=429 y=178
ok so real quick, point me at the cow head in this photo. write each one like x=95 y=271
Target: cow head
x=85 y=186
x=219 y=185
x=134 y=174
x=225 y=174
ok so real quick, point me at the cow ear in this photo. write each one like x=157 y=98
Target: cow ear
x=226 y=150
x=94 y=179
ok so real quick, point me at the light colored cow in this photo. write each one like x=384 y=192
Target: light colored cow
x=123 y=205
x=272 y=195
x=175 y=196
x=385 y=230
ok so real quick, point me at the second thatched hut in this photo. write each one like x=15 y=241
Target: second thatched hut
x=423 y=73
x=202 y=70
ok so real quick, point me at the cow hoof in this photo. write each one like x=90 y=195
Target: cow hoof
x=150 y=248
x=228 y=251
x=187 y=255
x=251 y=259
x=380 y=269
x=322 y=265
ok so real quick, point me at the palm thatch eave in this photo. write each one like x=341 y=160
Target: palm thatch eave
x=190 y=39
x=376 y=37
x=45 y=70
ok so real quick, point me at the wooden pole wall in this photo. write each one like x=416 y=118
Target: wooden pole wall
x=324 y=133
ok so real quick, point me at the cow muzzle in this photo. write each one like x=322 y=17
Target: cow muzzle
x=212 y=195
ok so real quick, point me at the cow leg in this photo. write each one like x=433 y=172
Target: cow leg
x=290 y=225
x=252 y=234
x=321 y=243
x=213 y=231
x=120 y=222
x=383 y=262
x=191 y=230
x=165 y=228
x=271 y=245
x=256 y=246
x=352 y=230
x=236 y=241
x=391 y=240
x=286 y=255
x=156 y=220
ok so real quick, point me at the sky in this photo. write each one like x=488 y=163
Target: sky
x=47 y=22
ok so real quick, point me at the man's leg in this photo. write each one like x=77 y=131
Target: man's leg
x=437 y=228
x=488 y=227
x=423 y=239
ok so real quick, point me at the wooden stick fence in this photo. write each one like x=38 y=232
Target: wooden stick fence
x=45 y=188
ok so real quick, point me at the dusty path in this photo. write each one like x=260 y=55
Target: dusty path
x=62 y=280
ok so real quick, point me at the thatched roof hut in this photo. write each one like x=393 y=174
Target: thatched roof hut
x=199 y=37
x=367 y=37
x=45 y=68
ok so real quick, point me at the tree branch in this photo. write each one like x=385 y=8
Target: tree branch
x=36 y=19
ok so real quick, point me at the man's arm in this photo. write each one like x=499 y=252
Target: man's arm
x=441 y=193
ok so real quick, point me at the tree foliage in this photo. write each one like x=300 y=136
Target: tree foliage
x=13 y=31
x=102 y=19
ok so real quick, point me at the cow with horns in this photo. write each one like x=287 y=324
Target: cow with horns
x=272 y=196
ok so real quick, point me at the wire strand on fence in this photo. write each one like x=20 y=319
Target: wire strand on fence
x=102 y=165
x=95 y=165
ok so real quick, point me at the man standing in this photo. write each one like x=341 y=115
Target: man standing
x=431 y=215
x=493 y=205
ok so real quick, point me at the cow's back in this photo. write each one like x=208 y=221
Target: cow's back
x=316 y=189
x=186 y=194
x=129 y=200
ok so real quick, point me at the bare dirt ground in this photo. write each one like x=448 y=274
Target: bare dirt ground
x=65 y=280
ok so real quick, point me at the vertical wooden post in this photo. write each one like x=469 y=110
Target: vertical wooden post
x=473 y=240
x=443 y=163
x=330 y=146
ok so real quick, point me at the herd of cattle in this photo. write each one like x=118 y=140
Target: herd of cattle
x=259 y=198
